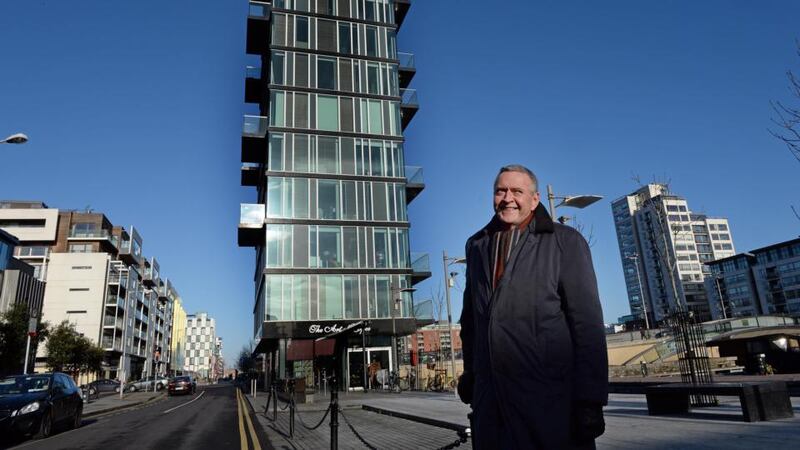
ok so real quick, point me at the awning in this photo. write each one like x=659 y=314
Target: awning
x=306 y=349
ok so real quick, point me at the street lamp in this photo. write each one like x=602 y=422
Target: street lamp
x=717 y=280
x=635 y=258
x=447 y=262
x=575 y=201
x=17 y=138
x=395 y=307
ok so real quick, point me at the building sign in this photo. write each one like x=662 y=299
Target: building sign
x=322 y=328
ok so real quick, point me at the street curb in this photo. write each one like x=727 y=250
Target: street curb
x=101 y=412
x=415 y=418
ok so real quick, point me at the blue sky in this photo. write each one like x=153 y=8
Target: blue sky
x=134 y=109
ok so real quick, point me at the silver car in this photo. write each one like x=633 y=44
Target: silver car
x=147 y=384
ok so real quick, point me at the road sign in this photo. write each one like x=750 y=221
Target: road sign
x=32 y=325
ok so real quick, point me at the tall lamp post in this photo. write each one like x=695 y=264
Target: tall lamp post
x=717 y=280
x=447 y=262
x=574 y=201
x=17 y=138
x=635 y=258
x=396 y=299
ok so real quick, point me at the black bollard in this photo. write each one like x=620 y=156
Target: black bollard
x=291 y=409
x=334 y=415
x=274 y=401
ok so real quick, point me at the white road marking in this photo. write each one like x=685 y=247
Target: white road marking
x=187 y=403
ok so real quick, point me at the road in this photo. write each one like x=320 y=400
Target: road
x=214 y=418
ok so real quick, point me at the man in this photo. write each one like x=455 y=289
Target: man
x=535 y=363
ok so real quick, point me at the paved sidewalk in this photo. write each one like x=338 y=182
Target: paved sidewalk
x=109 y=403
x=628 y=425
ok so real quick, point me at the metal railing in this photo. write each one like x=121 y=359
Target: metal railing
x=409 y=97
x=95 y=234
x=256 y=125
x=414 y=175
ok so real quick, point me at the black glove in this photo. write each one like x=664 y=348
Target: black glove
x=587 y=422
x=466 y=383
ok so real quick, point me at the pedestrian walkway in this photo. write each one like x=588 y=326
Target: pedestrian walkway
x=628 y=425
x=109 y=403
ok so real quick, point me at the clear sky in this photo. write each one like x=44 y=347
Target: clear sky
x=135 y=108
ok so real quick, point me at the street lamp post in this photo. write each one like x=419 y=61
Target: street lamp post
x=396 y=299
x=32 y=324
x=635 y=258
x=447 y=262
x=17 y=138
x=574 y=201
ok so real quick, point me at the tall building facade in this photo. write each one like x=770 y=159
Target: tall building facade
x=326 y=155
x=98 y=280
x=762 y=281
x=178 y=341
x=18 y=285
x=663 y=246
x=201 y=340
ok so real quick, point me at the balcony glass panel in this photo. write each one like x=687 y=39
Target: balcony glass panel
x=255 y=126
x=259 y=9
x=409 y=97
x=406 y=60
x=252 y=72
x=420 y=262
x=251 y=214
x=414 y=175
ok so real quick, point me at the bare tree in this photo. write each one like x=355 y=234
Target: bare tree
x=787 y=118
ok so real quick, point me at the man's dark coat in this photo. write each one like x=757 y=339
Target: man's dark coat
x=536 y=343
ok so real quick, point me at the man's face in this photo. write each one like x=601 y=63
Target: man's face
x=513 y=199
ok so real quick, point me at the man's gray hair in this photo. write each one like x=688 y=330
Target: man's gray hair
x=521 y=169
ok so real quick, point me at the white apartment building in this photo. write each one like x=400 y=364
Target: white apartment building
x=201 y=340
x=663 y=243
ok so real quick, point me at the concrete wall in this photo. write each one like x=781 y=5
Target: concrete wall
x=28 y=234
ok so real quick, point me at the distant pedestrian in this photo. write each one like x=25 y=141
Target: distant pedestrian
x=536 y=369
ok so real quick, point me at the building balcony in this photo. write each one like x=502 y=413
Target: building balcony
x=420 y=266
x=251 y=174
x=113 y=322
x=253 y=85
x=407 y=68
x=126 y=255
x=254 y=139
x=96 y=235
x=258 y=19
x=408 y=106
x=251 y=225
x=150 y=273
x=414 y=182
x=401 y=8
x=115 y=300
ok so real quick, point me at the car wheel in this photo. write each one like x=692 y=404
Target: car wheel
x=46 y=427
x=77 y=420
x=132 y=389
x=159 y=387
x=92 y=391
x=116 y=389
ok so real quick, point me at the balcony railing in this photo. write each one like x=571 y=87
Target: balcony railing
x=252 y=215
x=259 y=10
x=256 y=125
x=406 y=60
x=414 y=175
x=420 y=262
x=252 y=72
x=409 y=97
x=94 y=234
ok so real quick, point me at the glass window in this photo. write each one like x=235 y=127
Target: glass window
x=326 y=73
x=277 y=68
x=328 y=113
x=381 y=248
x=376 y=158
x=330 y=297
x=350 y=246
x=329 y=253
x=301 y=153
x=379 y=201
x=327 y=155
x=277 y=118
x=372 y=41
x=301 y=31
x=328 y=207
x=382 y=296
x=373 y=81
x=344 y=39
x=276 y=152
x=349 y=205
x=351 y=298
x=300 y=198
x=300 y=284
x=375 y=123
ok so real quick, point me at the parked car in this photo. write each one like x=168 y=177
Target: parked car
x=38 y=403
x=101 y=386
x=147 y=383
x=184 y=384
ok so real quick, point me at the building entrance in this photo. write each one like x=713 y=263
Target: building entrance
x=377 y=367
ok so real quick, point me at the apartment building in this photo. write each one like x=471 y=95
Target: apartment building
x=18 y=285
x=99 y=281
x=762 y=281
x=201 y=340
x=663 y=246
x=178 y=340
x=324 y=149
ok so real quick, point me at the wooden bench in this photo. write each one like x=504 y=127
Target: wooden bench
x=766 y=400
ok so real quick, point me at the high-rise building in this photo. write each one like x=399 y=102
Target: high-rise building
x=762 y=281
x=663 y=246
x=325 y=152
x=201 y=338
x=97 y=279
x=178 y=340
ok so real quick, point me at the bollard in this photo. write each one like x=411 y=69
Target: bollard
x=291 y=409
x=274 y=401
x=334 y=415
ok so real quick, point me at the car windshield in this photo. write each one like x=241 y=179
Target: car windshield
x=179 y=379
x=24 y=384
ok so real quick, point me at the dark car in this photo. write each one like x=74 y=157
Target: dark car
x=37 y=403
x=181 y=385
x=97 y=387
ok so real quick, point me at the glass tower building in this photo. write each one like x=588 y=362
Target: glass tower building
x=326 y=155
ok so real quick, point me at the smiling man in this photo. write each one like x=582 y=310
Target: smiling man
x=535 y=364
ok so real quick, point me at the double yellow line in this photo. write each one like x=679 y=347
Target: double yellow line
x=244 y=410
